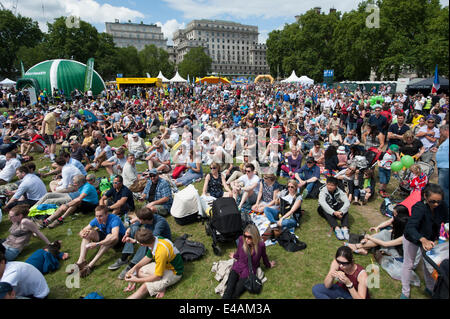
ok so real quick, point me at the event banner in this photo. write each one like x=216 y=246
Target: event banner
x=89 y=74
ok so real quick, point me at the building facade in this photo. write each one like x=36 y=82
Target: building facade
x=136 y=35
x=233 y=47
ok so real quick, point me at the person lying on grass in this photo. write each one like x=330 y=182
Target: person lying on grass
x=388 y=239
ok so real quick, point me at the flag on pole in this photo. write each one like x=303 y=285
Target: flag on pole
x=436 y=84
x=22 y=69
x=89 y=74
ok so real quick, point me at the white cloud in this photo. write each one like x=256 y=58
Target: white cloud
x=87 y=10
x=209 y=9
x=169 y=28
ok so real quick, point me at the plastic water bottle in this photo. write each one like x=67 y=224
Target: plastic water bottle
x=69 y=232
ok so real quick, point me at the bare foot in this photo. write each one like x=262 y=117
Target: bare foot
x=160 y=294
x=130 y=287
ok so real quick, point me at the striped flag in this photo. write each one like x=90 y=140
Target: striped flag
x=436 y=84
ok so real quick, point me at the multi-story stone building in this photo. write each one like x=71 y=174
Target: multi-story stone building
x=137 y=35
x=233 y=47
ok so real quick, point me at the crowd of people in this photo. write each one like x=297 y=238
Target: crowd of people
x=246 y=137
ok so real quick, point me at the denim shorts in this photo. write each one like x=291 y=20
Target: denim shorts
x=384 y=175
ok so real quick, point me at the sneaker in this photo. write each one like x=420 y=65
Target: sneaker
x=402 y=296
x=42 y=223
x=338 y=234
x=124 y=272
x=345 y=233
x=119 y=263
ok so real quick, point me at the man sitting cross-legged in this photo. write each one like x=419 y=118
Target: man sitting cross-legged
x=166 y=270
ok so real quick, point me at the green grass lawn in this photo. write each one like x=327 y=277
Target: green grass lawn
x=293 y=277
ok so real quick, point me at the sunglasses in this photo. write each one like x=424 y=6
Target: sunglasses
x=247 y=237
x=152 y=175
x=248 y=171
x=115 y=183
x=213 y=167
x=432 y=201
x=291 y=186
x=343 y=263
x=430 y=122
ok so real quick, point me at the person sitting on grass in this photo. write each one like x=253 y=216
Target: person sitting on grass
x=390 y=240
x=68 y=171
x=246 y=186
x=102 y=152
x=144 y=217
x=85 y=200
x=105 y=231
x=333 y=206
x=384 y=168
x=291 y=205
x=365 y=188
x=249 y=243
x=307 y=176
x=20 y=232
x=118 y=199
x=114 y=165
x=351 y=279
x=158 y=194
x=30 y=190
x=166 y=270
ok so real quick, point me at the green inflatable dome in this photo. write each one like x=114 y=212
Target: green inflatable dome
x=63 y=74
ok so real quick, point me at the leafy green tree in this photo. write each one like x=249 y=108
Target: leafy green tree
x=127 y=62
x=153 y=60
x=195 y=63
x=15 y=32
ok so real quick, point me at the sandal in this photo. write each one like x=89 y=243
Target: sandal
x=80 y=266
x=86 y=271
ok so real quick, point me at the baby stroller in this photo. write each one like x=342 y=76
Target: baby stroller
x=403 y=189
x=440 y=290
x=224 y=223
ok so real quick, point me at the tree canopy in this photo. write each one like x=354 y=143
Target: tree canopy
x=412 y=36
x=196 y=63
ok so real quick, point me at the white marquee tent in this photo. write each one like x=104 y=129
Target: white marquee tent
x=177 y=79
x=292 y=79
x=162 y=77
x=303 y=80
x=7 y=82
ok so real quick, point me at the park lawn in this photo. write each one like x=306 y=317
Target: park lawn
x=293 y=277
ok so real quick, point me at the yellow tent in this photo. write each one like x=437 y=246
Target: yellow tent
x=212 y=80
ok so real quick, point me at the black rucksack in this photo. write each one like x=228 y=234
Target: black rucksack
x=290 y=242
x=189 y=250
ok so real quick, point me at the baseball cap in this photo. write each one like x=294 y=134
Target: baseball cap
x=58 y=111
x=5 y=288
x=153 y=171
x=394 y=148
x=310 y=159
x=135 y=135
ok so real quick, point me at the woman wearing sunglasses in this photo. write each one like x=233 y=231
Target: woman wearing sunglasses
x=422 y=230
x=251 y=243
x=345 y=280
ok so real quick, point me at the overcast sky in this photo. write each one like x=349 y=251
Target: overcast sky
x=171 y=15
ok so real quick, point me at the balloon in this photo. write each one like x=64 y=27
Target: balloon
x=81 y=111
x=396 y=166
x=407 y=161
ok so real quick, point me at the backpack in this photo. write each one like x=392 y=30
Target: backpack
x=189 y=250
x=104 y=186
x=289 y=241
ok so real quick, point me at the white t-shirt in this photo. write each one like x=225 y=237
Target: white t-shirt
x=68 y=172
x=118 y=161
x=248 y=182
x=26 y=279
x=426 y=143
x=8 y=172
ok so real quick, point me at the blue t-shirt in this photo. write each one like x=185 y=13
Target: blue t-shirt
x=91 y=192
x=442 y=155
x=111 y=222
